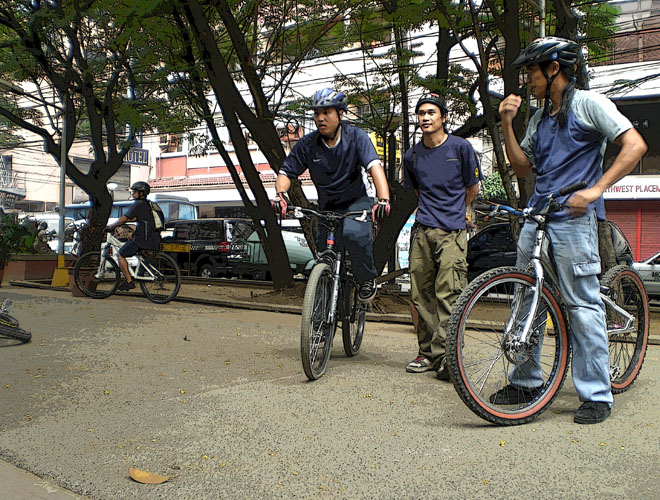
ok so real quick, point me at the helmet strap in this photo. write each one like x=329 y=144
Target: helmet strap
x=550 y=80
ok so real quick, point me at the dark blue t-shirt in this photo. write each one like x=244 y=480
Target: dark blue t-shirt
x=338 y=173
x=144 y=235
x=441 y=176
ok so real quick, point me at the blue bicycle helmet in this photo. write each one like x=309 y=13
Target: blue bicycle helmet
x=328 y=98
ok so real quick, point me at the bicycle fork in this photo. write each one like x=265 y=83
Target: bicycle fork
x=334 y=298
x=517 y=342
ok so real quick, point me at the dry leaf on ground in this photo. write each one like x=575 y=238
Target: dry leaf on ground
x=145 y=477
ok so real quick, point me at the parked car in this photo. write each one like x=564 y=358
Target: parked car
x=649 y=270
x=494 y=246
x=228 y=247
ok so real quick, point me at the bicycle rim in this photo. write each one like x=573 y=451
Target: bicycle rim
x=627 y=349
x=479 y=351
x=316 y=332
x=9 y=328
x=352 y=323
x=165 y=285
x=90 y=282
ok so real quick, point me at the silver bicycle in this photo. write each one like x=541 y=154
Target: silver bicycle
x=97 y=274
x=509 y=316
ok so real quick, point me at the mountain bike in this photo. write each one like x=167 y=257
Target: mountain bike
x=509 y=316
x=97 y=274
x=9 y=325
x=331 y=295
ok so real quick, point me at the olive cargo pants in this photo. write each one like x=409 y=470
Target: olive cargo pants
x=438 y=274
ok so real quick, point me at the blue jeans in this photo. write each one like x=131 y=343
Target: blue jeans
x=574 y=244
x=357 y=238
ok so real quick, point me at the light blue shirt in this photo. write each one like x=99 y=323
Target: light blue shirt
x=562 y=156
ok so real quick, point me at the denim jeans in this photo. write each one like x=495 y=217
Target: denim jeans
x=574 y=244
x=357 y=238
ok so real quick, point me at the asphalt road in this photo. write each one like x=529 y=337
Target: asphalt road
x=215 y=398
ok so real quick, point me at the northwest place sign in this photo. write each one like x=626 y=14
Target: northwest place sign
x=137 y=156
x=634 y=187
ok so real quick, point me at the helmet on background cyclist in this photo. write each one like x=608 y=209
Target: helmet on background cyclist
x=328 y=98
x=142 y=187
x=432 y=98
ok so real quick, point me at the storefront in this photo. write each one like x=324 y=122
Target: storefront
x=634 y=204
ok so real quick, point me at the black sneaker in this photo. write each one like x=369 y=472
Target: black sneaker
x=441 y=372
x=592 y=412
x=367 y=290
x=514 y=395
x=125 y=286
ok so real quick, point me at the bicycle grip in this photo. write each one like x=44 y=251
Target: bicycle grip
x=572 y=188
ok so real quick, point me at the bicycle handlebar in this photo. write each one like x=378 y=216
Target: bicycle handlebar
x=301 y=212
x=541 y=206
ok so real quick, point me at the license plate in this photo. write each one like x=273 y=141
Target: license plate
x=175 y=247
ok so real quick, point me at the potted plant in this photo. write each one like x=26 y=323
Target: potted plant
x=18 y=256
x=8 y=241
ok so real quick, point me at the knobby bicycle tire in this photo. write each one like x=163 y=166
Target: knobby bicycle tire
x=316 y=334
x=9 y=328
x=167 y=285
x=353 y=318
x=627 y=350
x=479 y=354
x=84 y=274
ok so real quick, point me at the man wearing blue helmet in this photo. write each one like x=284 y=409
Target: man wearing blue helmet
x=564 y=144
x=338 y=156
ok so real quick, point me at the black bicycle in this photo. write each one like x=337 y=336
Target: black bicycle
x=331 y=295
x=9 y=325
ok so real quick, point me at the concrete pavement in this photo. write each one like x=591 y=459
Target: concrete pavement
x=215 y=399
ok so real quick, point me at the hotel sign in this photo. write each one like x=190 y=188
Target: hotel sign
x=136 y=156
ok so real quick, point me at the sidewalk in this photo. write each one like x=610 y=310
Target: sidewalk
x=18 y=484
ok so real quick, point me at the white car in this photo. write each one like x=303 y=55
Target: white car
x=649 y=270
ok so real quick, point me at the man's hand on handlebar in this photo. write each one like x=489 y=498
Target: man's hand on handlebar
x=381 y=209
x=280 y=203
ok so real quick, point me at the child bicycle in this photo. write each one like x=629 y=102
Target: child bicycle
x=9 y=325
x=331 y=294
x=510 y=316
x=98 y=276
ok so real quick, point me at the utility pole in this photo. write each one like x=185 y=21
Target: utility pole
x=61 y=273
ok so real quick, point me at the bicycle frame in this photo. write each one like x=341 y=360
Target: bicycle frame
x=115 y=244
x=539 y=263
x=331 y=255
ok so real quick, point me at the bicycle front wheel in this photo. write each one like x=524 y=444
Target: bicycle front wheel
x=485 y=357
x=9 y=328
x=163 y=279
x=352 y=322
x=317 y=332
x=627 y=346
x=94 y=282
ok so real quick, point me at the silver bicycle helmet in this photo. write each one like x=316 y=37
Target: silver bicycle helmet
x=549 y=48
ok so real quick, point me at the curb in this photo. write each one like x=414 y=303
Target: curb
x=240 y=304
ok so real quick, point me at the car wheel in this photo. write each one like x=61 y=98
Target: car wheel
x=206 y=271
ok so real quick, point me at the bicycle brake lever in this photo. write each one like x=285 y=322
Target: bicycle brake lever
x=297 y=213
x=362 y=217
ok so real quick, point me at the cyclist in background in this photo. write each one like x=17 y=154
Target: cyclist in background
x=144 y=236
x=338 y=156
x=564 y=144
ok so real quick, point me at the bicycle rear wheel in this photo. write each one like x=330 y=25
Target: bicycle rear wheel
x=482 y=355
x=86 y=275
x=316 y=332
x=627 y=349
x=165 y=285
x=9 y=328
x=352 y=322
